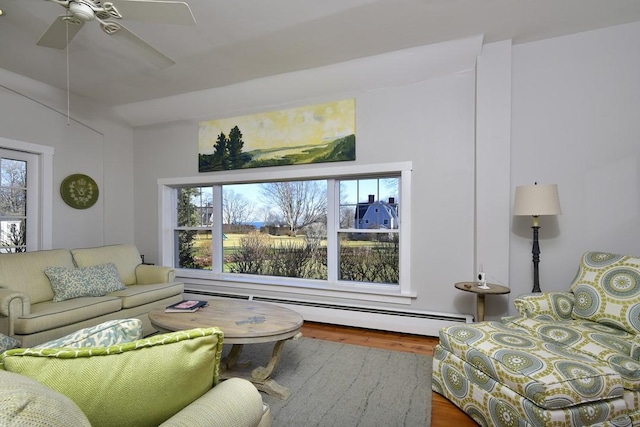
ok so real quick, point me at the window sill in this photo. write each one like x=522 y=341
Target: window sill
x=273 y=286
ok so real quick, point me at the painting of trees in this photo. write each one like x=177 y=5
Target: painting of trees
x=313 y=134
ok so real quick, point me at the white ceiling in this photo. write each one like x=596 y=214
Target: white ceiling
x=240 y=40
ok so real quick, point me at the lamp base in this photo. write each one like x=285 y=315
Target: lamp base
x=536 y=259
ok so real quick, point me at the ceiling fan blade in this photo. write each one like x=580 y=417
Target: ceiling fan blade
x=56 y=34
x=139 y=46
x=163 y=12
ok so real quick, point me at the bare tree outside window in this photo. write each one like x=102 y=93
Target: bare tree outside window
x=236 y=209
x=301 y=203
x=13 y=205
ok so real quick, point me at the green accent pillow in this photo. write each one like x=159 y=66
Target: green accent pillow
x=137 y=384
x=26 y=402
x=105 y=334
x=7 y=343
x=94 y=281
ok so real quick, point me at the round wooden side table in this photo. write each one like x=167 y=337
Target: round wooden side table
x=474 y=287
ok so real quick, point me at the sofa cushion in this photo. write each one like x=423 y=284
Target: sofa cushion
x=125 y=257
x=7 y=343
x=136 y=295
x=105 y=334
x=549 y=375
x=50 y=315
x=26 y=402
x=94 y=281
x=137 y=384
x=607 y=290
x=24 y=272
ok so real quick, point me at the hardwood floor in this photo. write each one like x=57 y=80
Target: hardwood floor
x=443 y=412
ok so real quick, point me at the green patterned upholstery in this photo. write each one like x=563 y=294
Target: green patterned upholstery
x=607 y=290
x=635 y=348
x=546 y=306
x=137 y=384
x=548 y=375
x=570 y=358
x=492 y=404
x=604 y=343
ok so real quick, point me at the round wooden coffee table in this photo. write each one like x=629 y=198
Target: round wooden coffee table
x=243 y=322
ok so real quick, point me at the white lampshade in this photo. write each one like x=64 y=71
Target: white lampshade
x=537 y=200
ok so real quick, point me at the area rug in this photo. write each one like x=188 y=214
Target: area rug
x=335 y=384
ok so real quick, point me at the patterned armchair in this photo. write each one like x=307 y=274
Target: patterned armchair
x=517 y=369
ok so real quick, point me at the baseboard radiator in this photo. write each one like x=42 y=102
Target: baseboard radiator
x=407 y=321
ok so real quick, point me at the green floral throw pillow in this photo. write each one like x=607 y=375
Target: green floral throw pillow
x=95 y=281
x=607 y=290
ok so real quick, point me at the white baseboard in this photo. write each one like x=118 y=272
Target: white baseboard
x=406 y=321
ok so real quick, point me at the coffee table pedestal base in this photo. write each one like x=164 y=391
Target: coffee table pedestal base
x=260 y=376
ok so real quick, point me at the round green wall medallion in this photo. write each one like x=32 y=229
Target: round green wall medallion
x=79 y=191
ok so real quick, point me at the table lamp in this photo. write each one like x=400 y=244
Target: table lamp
x=536 y=200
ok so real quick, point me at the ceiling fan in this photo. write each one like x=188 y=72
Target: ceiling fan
x=108 y=14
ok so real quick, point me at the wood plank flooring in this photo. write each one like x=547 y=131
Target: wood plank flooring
x=443 y=413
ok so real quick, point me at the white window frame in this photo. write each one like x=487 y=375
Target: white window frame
x=397 y=293
x=39 y=190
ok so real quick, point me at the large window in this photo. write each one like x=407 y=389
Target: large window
x=339 y=231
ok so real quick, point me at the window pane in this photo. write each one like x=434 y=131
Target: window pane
x=369 y=257
x=276 y=229
x=13 y=202
x=276 y=255
x=12 y=236
x=241 y=205
x=193 y=249
x=369 y=203
x=195 y=207
x=13 y=173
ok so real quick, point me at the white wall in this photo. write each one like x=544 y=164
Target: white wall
x=93 y=142
x=404 y=112
x=576 y=104
x=492 y=173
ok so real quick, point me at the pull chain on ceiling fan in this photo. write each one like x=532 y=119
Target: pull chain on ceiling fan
x=68 y=88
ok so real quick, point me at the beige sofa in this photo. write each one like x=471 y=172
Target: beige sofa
x=27 y=308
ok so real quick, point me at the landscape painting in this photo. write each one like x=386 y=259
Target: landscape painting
x=314 y=134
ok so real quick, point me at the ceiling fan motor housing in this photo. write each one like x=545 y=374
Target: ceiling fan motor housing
x=82 y=11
